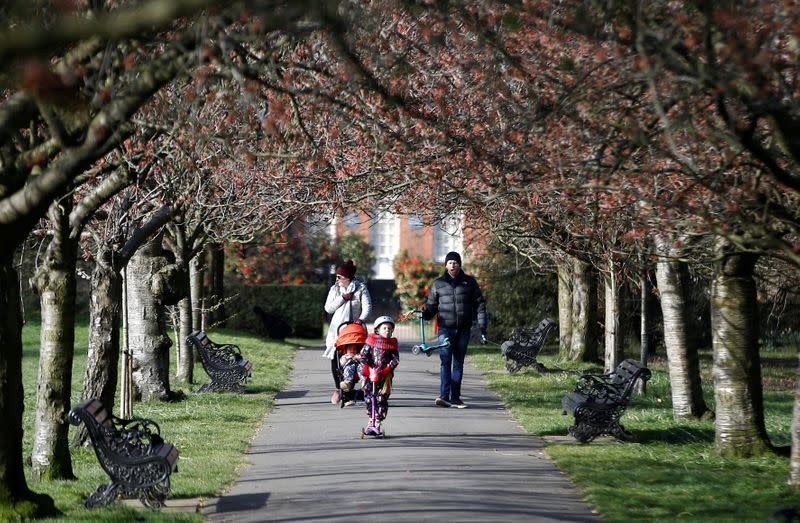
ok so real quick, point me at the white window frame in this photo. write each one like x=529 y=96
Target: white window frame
x=384 y=237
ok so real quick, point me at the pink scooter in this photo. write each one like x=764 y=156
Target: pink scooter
x=374 y=428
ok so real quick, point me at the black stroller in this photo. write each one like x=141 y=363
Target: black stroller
x=524 y=345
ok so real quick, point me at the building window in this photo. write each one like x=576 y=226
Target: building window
x=384 y=237
x=415 y=222
x=448 y=236
x=321 y=223
x=351 y=220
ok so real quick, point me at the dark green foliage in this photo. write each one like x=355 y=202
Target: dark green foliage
x=351 y=246
x=300 y=305
x=517 y=294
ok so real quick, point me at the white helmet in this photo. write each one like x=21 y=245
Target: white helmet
x=381 y=320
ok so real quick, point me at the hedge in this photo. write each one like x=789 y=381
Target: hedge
x=300 y=305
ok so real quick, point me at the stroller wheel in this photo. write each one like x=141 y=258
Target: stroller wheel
x=428 y=353
x=415 y=350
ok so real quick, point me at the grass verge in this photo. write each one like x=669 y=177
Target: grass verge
x=210 y=430
x=672 y=473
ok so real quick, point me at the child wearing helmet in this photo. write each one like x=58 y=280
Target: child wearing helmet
x=379 y=358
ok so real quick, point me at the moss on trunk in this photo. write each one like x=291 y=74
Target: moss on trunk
x=740 y=427
x=584 y=313
x=17 y=502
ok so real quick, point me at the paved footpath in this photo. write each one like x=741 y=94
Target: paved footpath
x=309 y=463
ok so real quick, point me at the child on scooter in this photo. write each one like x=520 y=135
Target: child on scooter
x=379 y=358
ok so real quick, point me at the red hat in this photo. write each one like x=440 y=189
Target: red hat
x=347 y=269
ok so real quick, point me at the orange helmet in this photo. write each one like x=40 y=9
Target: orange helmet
x=352 y=333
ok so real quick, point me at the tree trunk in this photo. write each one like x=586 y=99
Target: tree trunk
x=197 y=268
x=216 y=297
x=564 y=310
x=147 y=328
x=185 y=366
x=55 y=284
x=100 y=379
x=185 y=260
x=794 y=460
x=613 y=335
x=16 y=500
x=584 y=313
x=644 y=325
x=682 y=356
x=740 y=428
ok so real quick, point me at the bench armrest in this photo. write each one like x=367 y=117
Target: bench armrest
x=229 y=347
x=596 y=386
x=142 y=430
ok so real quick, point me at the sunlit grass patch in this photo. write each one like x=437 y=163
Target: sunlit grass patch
x=210 y=430
x=672 y=473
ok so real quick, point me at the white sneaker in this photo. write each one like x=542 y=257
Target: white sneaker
x=442 y=402
x=458 y=404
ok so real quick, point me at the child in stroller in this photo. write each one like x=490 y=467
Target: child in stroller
x=349 y=342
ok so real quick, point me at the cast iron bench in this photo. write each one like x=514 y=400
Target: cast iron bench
x=524 y=345
x=599 y=400
x=224 y=364
x=131 y=452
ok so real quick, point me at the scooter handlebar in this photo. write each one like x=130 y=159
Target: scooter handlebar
x=409 y=313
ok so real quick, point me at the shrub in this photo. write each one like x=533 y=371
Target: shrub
x=517 y=294
x=300 y=305
x=351 y=246
x=413 y=277
x=280 y=258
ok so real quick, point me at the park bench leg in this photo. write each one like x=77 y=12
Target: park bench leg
x=155 y=495
x=583 y=432
x=589 y=424
x=619 y=432
x=103 y=496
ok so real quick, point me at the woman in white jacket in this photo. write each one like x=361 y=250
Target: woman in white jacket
x=348 y=301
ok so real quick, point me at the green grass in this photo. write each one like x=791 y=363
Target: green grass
x=672 y=473
x=210 y=430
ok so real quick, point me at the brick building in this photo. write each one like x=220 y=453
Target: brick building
x=388 y=234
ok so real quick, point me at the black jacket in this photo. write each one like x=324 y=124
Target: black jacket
x=457 y=300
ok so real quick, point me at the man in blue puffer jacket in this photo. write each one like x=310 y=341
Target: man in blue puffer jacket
x=458 y=300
